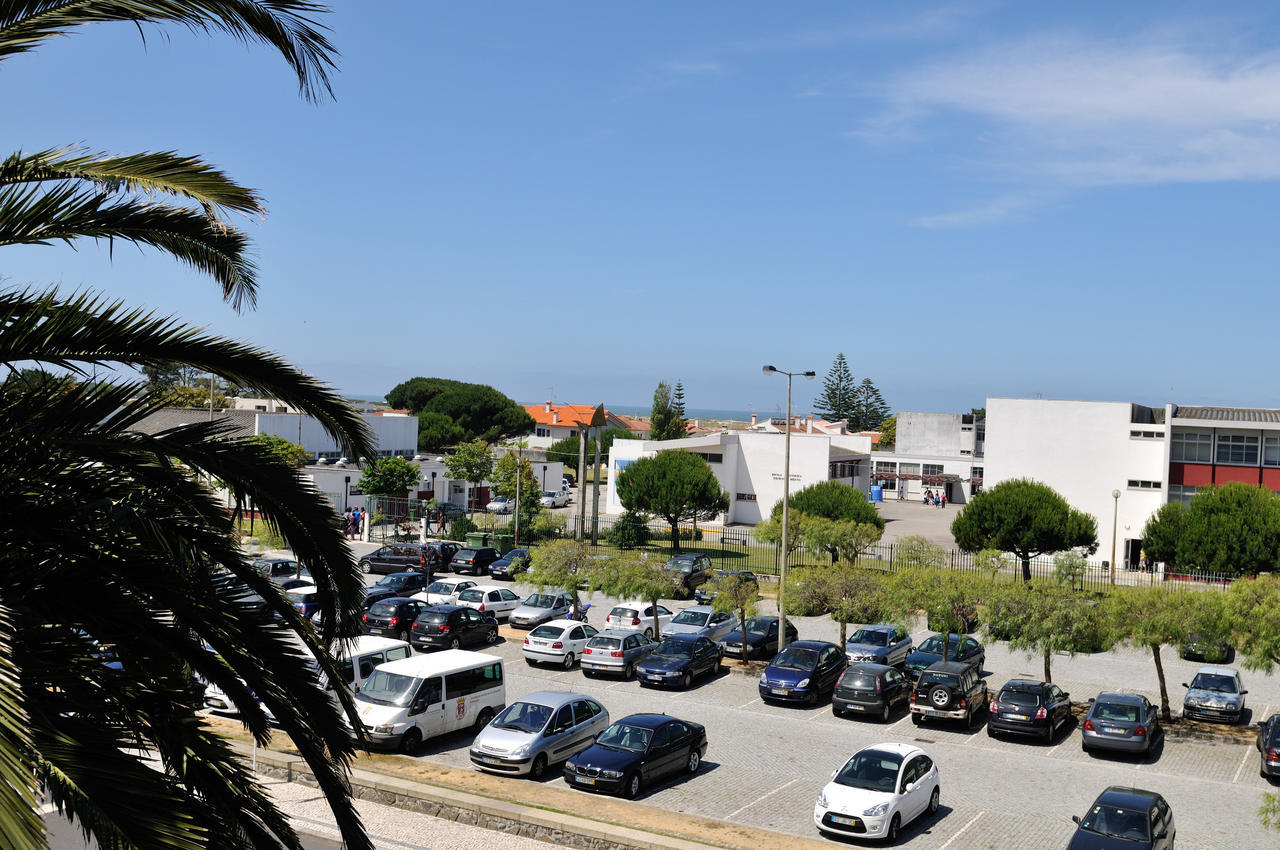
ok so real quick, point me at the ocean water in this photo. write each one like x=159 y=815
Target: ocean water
x=693 y=412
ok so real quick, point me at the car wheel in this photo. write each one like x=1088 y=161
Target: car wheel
x=455 y=643
x=894 y=826
x=968 y=720
x=491 y=636
x=836 y=711
x=811 y=698
x=539 y=766
x=1048 y=734
x=483 y=720
x=411 y=742
x=917 y=719
x=366 y=567
x=991 y=733
x=628 y=671
x=632 y=788
x=568 y=661
x=884 y=713
x=695 y=761
x=685 y=681
x=933 y=801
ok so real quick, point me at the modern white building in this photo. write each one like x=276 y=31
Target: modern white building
x=938 y=452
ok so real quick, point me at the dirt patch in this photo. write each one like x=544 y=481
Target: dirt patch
x=1185 y=727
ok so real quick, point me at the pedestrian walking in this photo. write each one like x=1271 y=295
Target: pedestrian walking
x=944 y=500
x=928 y=494
x=346 y=523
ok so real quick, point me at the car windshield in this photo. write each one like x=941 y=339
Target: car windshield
x=935 y=678
x=393 y=581
x=691 y=618
x=599 y=642
x=674 y=649
x=550 y=494
x=540 y=600
x=1117 y=822
x=523 y=716
x=433 y=617
x=873 y=770
x=440 y=587
x=384 y=609
x=1115 y=711
x=623 y=613
x=620 y=736
x=796 y=658
x=464 y=554
x=547 y=632
x=870 y=637
x=934 y=645
x=388 y=688
x=758 y=626
x=470 y=595
x=1214 y=682
x=1025 y=699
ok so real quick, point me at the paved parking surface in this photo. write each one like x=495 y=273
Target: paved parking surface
x=766 y=763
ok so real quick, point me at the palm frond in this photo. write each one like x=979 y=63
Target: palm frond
x=288 y=26
x=20 y=825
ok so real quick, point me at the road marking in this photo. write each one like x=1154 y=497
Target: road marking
x=962 y=829
x=761 y=797
x=1243 y=761
x=755 y=701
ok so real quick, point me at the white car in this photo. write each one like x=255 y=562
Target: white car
x=558 y=642
x=499 y=505
x=881 y=789
x=443 y=592
x=490 y=599
x=554 y=498
x=638 y=617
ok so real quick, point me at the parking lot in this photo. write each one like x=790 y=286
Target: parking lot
x=766 y=763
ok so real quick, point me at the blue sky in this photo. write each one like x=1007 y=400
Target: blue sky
x=574 y=201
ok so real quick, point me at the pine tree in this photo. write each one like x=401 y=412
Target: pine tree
x=664 y=422
x=838 y=398
x=677 y=407
x=870 y=408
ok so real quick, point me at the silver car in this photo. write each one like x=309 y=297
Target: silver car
x=539 y=608
x=701 y=620
x=615 y=652
x=1216 y=693
x=546 y=727
x=1126 y=723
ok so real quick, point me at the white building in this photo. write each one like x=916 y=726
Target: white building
x=555 y=422
x=941 y=452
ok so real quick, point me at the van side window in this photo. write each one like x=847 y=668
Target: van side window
x=430 y=690
x=347 y=671
x=466 y=682
x=367 y=663
x=396 y=653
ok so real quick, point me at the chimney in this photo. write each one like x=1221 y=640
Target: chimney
x=808 y=428
x=547 y=405
x=555 y=417
x=753 y=419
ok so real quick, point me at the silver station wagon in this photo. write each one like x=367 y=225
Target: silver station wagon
x=546 y=727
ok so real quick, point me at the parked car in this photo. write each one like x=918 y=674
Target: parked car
x=761 y=639
x=1126 y=723
x=1268 y=744
x=500 y=505
x=393 y=617
x=1206 y=650
x=701 y=620
x=395 y=558
x=444 y=591
x=959 y=648
x=557 y=642
x=405 y=584
x=439 y=553
x=510 y=565
x=803 y=672
x=639 y=616
x=292 y=583
x=871 y=689
x=878 y=791
x=305 y=598
x=637 y=751
x=554 y=498
x=689 y=571
x=678 y=660
x=882 y=643
x=704 y=593
x=1216 y=693
x=948 y=690
x=1125 y=819
x=473 y=561
x=541 y=607
x=279 y=569
x=546 y=727
x=615 y=652
x=452 y=627
x=1029 y=707
x=373 y=594
x=489 y=599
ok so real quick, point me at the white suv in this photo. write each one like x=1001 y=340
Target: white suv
x=638 y=617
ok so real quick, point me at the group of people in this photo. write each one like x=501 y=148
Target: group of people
x=353 y=520
x=938 y=499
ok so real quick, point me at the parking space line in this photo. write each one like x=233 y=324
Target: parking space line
x=737 y=812
x=755 y=701
x=962 y=829
x=1243 y=761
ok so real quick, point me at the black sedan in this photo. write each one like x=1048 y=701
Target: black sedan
x=1125 y=819
x=636 y=751
x=872 y=690
x=511 y=564
x=1029 y=707
x=959 y=648
x=393 y=617
x=802 y=672
x=451 y=627
x=678 y=660
x=761 y=640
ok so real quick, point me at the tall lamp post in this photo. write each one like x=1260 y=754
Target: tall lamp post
x=786 y=499
x=1115 y=512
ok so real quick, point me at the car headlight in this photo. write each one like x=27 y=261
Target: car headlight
x=570 y=765
x=803 y=683
x=876 y=811
x=611 y=774
x=387 y=729
x=764 y=680
x=521 y=751
x=822 y=799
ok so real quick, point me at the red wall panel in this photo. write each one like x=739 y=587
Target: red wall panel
x=1271 y=479
x=1227 y=474
x=1191 y=474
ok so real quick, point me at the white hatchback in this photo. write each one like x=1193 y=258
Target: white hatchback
x=444 y=592
x=558 y=642
x=638 y=617
x=878 y=791
x=490 y=599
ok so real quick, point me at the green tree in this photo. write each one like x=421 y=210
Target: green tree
x=1069 y=568
x=737 y=595
x=437 y=431
x=869 y=407
x=566 y=450
x=837 y=400
x=197 y=397
x=1162 y=532
x=414 y=394
x=561 y=564
x=888 y=432
x=677 y=402
x=1042 y=619
x=1233 y=529
x=504 y=482
x=844 y=539
x=949 y=599
x=389 y=476
x=288 y=452
x=1026 y=519
x=673 y=485
x=1151 y=617
x=849 y=594
x=770 y=531
x=836 y=501
x=472 y=461
x=631 y=531
x=478 y=410
x=1252 y=612
x=632 y=576
x=664 y=420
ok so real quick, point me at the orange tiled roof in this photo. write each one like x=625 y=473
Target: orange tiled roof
x=633 y=424
x=565 y=414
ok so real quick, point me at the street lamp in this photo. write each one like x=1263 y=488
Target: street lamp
x=1115 y=512
x=786 y=498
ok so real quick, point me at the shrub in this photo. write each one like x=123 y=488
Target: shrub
x=629 y=531
x=461 y=527
x=545 y=525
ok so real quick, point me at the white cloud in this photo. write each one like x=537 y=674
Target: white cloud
x=999 y=209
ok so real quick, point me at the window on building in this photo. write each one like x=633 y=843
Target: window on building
x=572 y=433
x=543 y=432
x=1238 y=448
x=746 y=497
x=1191 y=447
x=931 y=469
x=1143 y=485
x=710 y=457
x=1146 y=435
x=1271 y=451
x=886 y=474
x=1182 y=493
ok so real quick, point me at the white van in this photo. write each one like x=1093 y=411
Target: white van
x=406 y=702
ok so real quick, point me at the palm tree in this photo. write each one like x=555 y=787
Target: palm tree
x=114 y=546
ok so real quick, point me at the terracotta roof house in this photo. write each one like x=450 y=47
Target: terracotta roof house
x=557 y=421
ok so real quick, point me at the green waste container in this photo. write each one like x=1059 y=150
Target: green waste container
x=504 y=542
x=478 y=538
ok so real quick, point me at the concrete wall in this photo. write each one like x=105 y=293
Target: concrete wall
x=396 y=434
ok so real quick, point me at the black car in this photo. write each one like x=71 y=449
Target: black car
x=405 y=584
x=1029 y=707
x=1125 y=819
x=948 y=690
x=802 y=672
x=959 y=648
x=395 y=558
x=762 y=638
x=393 y=617
x=870 y=689
x=439 y=553
x=678 y=660
x=636 y=751
x=1214 y=652
x=706 y=592
x=373 y=593
x=689 y=571
x=511 y=564
x=474 y=561
x=451 y=627
x=1268 y=744
x=280 y=569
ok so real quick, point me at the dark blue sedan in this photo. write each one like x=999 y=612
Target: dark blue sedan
x=678 y=660
x=635 y=751
x=960 y=648
x=510 y=564
x=803 y=672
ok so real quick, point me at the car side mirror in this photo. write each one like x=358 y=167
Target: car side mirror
x=1075 y=818
x=835 y=772
x=1162 y=834
x=1185 y=685
x=910 y=786
x=417 y=707
x=1242 y=693
x=1066 y=697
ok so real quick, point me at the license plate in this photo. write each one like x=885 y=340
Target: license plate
x=653 y=678
x=1017 y=717
x=585 y=780
x=490 y=760
x=933 y=713
x=842 y=820
x=778 y=691
x=539 y=643
x=215 y=703
x=853 y=706
x=1112 y=730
